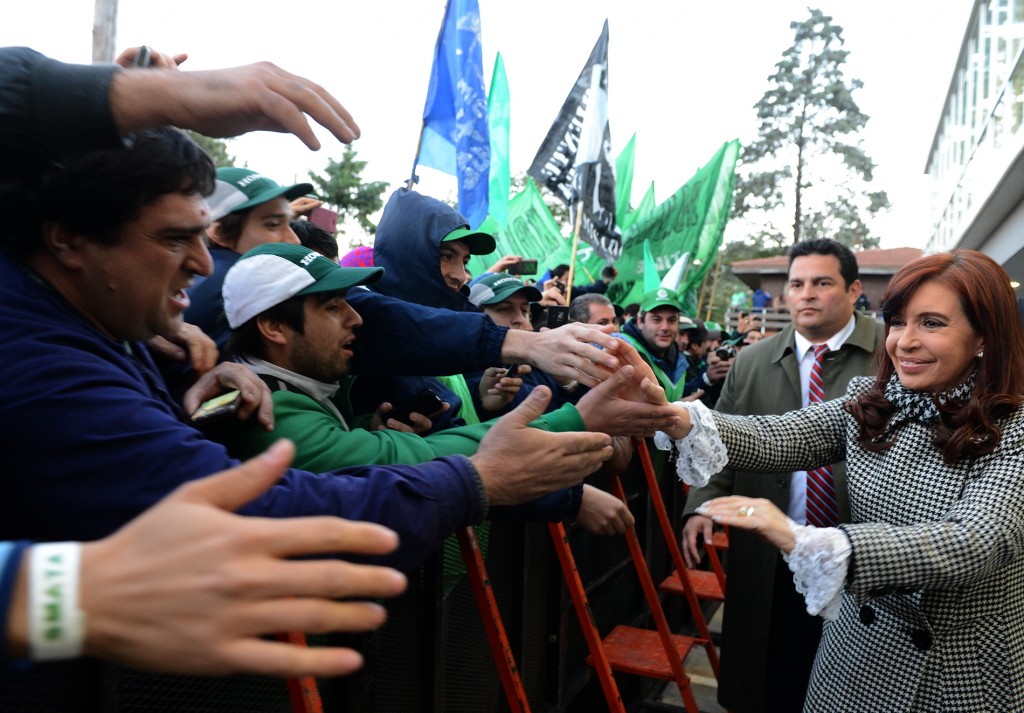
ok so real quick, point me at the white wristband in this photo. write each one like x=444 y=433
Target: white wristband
x=56 y=624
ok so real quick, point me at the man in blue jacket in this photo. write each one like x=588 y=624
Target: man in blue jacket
x=91 y=436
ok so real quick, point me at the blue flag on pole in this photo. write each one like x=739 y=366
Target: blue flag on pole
x=455 y=134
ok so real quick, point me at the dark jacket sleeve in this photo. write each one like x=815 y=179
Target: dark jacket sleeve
x=399 y=337
x=123 y=448
x=49 y=109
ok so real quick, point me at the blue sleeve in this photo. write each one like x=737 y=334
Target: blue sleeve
x=91 y=443
x=11 y=554
x=404 y=338
x=49 y=109
x=547 y=508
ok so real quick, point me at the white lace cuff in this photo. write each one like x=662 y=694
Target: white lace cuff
x=701 y=452
x=819 y=563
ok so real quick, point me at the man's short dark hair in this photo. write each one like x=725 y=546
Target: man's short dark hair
x=96 y=193
x=247 y=340
x=608 y=272
x=579 y=309
x=632 y=309
x=314 y=237
x=823 y=246
x=559 y=270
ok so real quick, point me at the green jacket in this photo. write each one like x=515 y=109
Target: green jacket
x=323 y=442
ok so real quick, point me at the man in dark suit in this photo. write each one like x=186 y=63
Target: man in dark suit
x=768 y=639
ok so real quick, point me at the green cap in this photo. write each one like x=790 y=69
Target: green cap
x=271 y=273
x=241 y=188
x=497 y=287
x=478 y=243
x=660 y=297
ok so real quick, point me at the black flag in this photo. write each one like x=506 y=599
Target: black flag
x=575 y=161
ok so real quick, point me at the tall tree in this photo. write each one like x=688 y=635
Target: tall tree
x=807 y=158
x=343 y=189
x=217 y=148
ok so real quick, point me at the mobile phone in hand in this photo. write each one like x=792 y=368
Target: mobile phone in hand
x=217 y=409
x=425 y=402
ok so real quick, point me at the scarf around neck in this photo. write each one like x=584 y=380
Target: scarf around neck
x=920 y=405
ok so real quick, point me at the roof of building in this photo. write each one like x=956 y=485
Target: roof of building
x=882 y=260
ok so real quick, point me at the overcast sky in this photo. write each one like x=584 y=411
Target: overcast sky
x=683 y=75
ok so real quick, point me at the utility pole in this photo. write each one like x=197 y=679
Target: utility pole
x=104 y=31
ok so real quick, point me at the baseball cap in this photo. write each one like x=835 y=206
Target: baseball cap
x=660 y=297
x=241 y=188
x=479 y=243
x=686 y=323
x=271 y=273
x=497 y=287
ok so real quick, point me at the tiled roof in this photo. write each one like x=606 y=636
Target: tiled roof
x=880 y=259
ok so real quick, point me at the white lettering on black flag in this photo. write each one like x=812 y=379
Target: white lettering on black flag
x=574 y=161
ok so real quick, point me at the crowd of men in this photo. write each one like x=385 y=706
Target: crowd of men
x=165 y=320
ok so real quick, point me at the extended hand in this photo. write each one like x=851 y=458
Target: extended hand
x=567 y=352
x=518 y=463
x=755 y=514
x=188 y=587
x=228 y=102
x=227 y=376
x=621 y=407
x=602 y=513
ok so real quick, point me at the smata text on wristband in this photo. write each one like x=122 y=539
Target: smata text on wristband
x=56 y=623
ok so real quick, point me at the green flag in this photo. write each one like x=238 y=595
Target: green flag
x=498 y=106
x=624 y=181
x=647 y=204
x=531 y=231
x=713 y=229
x=690 y=221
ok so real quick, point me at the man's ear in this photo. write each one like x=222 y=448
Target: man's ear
x=65 y=246
x=273 y=330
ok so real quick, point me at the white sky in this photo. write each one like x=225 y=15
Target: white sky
x=683 y=75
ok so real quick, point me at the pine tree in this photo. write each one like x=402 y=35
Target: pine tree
x=807 y=160
x=343 y=189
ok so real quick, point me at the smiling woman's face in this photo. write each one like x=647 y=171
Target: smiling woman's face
x=931 y=343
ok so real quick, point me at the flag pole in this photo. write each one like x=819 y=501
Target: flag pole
x=415 y=159
x=575 y=245
x=714 y=286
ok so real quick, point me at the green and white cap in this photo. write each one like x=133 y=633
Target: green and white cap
x=660 y=297
x=271 y=273
x=477 y=242
x=497 y=287
x=241 y=188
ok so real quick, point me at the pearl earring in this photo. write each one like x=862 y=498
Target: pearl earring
x=981 y=353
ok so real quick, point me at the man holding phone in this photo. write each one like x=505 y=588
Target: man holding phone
x=293 y=326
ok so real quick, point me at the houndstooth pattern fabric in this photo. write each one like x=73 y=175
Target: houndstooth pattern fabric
x=932 y=618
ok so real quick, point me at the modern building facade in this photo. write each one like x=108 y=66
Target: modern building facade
x=976 y=160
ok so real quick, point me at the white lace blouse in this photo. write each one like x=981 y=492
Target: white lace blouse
x=820 y=559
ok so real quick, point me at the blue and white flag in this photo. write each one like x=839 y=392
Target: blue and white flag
x=455 y=133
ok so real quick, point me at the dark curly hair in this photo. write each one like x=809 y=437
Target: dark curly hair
x=971 y=427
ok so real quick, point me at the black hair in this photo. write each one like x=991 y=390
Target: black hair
x=824 y=246
x=94 y=194
x=229 y=229
x=579 y=309
x=316 y=238
x=559 y=270
x=292 y=313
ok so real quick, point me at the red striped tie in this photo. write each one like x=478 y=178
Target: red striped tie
x=821 y=490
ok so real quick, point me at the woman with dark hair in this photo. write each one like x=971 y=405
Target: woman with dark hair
x=924 y=589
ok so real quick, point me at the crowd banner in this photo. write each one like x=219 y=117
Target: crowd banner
x=455 y=136
x=691 y=221
x=574 y=160
x=499 y=113
x=624 y=181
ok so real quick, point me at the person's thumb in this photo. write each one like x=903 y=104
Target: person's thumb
x=530 y=409
x=616 y=381
x=231 y=489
